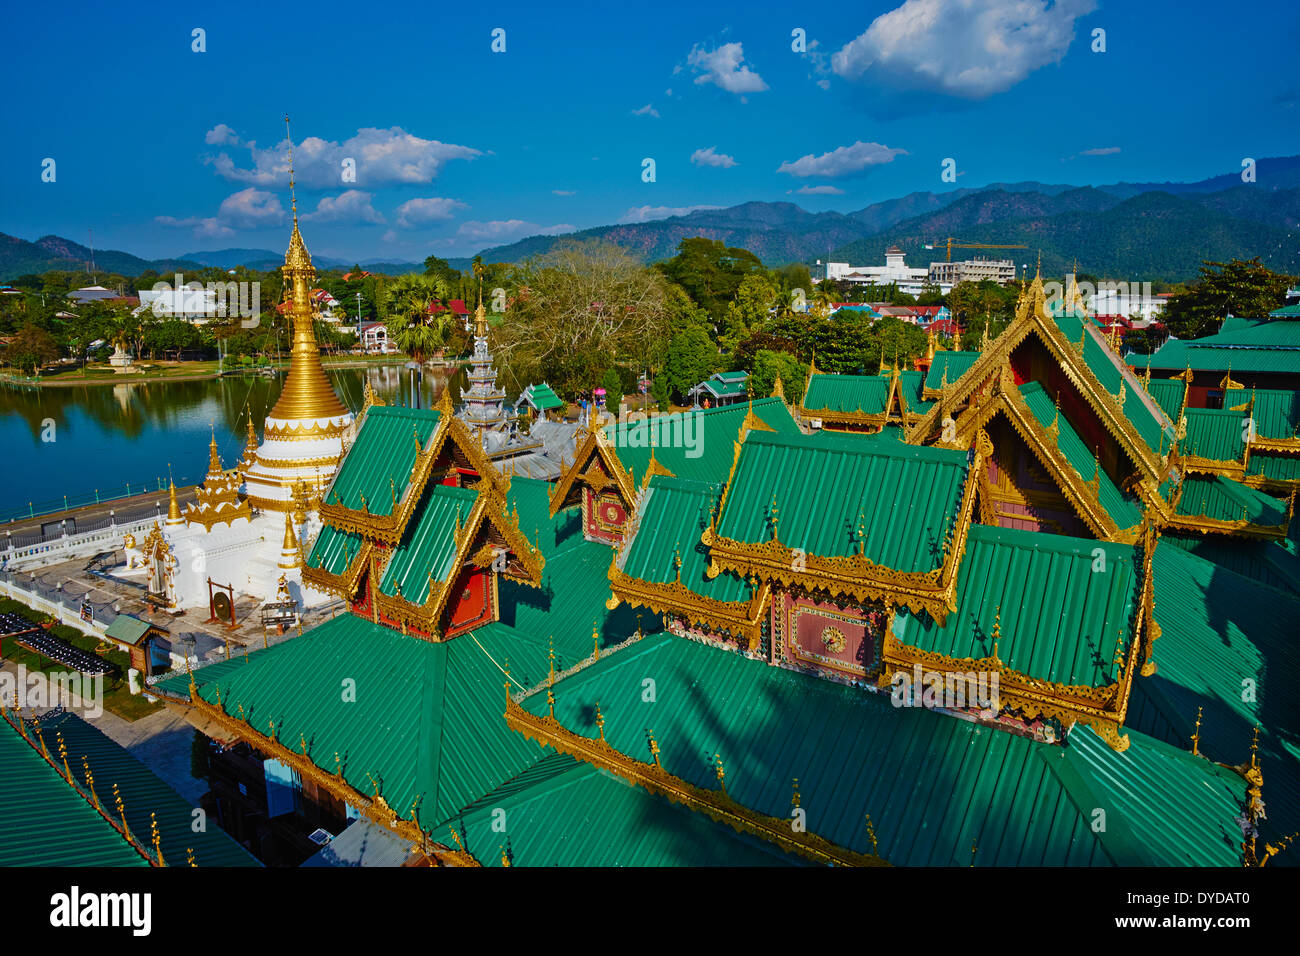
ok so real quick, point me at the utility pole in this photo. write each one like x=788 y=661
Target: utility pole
x=359 y=339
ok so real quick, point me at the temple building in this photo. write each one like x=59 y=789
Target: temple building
x=937 y=617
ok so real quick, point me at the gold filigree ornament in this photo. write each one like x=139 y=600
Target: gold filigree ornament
x=833 y=640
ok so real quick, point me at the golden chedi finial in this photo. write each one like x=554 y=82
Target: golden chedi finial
x=307 y=393
x=173 y=506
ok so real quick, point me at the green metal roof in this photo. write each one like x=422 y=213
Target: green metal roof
x=955 y=364
x=674 y=513
x=1286 y=312
x=1266 y=562
x=542 y=397
x=127 y=629
x=1222 y=499
x=45 y=822
x=694 y=444
x=379 y=463
x=1260 y=347
x=824 y=489
x=1275 y=467
x=1065 y=605
x=531 y=497
x=570 y=602
x=864 y=394
x=564 y=813
x=333 y=550
x=428 y=545
x=1168 y=394
x=1228 y=646
x=1214 y=433
x=933 y=784
x=1123 y=509
x=1276 y=411
x=426 y=721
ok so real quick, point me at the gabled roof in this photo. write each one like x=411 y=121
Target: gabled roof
x=806 y=511
x=541 y=397
x=1004 y=577
x=1229 y=502
x=1264 y=346
x=1214 y=435
x=1169 y=394
x=1018 y=802
x=946 y=368
x=1275 y=412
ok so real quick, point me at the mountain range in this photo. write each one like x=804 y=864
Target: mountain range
x=1124 y=230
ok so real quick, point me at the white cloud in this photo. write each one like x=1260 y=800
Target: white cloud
x=708 y=157
x=506 y=230
x=1101 y=151
x=351 y=205
x=382 y=157
x=966 y=48
x=650 y=213
x=844 y=161
x=247 y=209
x=647 y=110
x=221 y=135
x=726 y=68
x=415 y=212
x=820 y=191
x=564 y=192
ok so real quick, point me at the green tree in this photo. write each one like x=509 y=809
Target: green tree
x=710 y=272
x=31 y=349
x=692 y=357
x=769 y=366
x=1247 y=289
x=749 y=311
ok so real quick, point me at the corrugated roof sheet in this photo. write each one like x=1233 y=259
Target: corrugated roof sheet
x=1228 y=646
x=1123 y=509
x=426 y=721
x=1065 y=604
x=826 y=488
x=570 y=602
x=45 y=822
x=674 y=513
x=864 y=394
x=44 y=815
x=694 y=444
x=428 y=545
x=952 y=365
x=1274 y=467
x=334 y=550
x=1258 y=347
x=1168 y=394
x=933 y=785
x=542 y=397
x=1214 y=433
x=379 y=463
x=127 y=628
x=565 y=813
x=1222 y=499
x=1276 y=411
x=1265 y=562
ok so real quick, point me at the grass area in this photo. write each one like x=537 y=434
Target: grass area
x=118 y=698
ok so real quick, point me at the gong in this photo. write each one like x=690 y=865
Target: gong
x=221 y=606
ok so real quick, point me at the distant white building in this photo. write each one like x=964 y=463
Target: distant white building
x=894 y=272
x=1135 y=303
x=1000 y=271
x=190 y=304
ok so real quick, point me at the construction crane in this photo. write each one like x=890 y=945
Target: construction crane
x=954 y=244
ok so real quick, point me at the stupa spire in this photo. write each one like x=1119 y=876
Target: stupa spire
x=307 y=392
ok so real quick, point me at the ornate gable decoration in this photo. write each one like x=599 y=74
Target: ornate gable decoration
x=596 y=466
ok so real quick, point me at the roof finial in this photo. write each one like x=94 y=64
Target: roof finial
x=293 y=196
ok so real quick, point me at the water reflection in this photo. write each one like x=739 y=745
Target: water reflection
x=79 y=441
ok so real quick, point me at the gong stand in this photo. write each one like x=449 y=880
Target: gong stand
x=221 y=604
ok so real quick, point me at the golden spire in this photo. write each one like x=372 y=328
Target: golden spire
x=173 y=506
x=214 y=456
x=250 y=446
x=289 y=553
x=480 y=316
x=778 y=389
x=307 y=393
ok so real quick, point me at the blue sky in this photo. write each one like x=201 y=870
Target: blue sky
x=162 y=150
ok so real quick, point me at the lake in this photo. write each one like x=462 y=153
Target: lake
x=102 y=441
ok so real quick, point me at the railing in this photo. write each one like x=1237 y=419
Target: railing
x=64 y=602
x=70 y=545
x=131 y=489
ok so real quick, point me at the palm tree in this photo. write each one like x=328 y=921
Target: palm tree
x=411 y=328
x=823 y=299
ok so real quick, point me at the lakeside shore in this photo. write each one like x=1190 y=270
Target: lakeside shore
x=196 y=371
